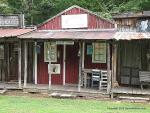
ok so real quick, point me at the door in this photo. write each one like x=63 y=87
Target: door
x=13 y=62
x=130 y=62
x=72 y=63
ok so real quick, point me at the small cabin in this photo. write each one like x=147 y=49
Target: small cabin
x=132 y=50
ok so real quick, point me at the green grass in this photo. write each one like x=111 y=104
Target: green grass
x=24 y=104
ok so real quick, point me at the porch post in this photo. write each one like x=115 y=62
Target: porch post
x=83 y=48
x=108 y=69
x=64 y=64
x=80 y=65
x=25 y=63
x=114 y=64
x=19 y=64
x=35 y=63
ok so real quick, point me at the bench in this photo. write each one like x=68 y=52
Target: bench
x=144 y=77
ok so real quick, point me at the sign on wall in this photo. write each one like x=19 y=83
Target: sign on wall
x=11 y=20
x=50 y=52
x=54 y=68
x=74 y=21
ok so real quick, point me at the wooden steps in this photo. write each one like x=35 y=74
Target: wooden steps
x=134 y=99
x=2 y=91
x=62 y=95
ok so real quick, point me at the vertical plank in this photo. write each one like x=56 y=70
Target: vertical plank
x=80 y=66
x=64 y=64
x=8 y=62
x=19 y=64
x=50 y=76
x=35 y=63
x=108 y=69
x=114 y=64
x=83 y=55
x=25 y=63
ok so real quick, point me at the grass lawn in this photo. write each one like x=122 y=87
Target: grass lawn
x=24 y=104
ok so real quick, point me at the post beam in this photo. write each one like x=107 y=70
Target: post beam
x=35 y=63
x=64 y=64
x=80 y=66
x=19 y=64
x=108 y=69
x=25 y=63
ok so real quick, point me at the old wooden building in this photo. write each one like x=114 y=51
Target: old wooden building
x=69 y=47
x=132 y=53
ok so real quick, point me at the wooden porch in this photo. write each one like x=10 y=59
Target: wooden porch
x=67 y=89
x=130 y=90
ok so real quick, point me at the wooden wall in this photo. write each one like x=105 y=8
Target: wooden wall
x=94 y=22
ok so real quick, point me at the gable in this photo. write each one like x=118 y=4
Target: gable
x=93 y=20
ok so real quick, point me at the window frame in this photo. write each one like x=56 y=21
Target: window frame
x=104 y=53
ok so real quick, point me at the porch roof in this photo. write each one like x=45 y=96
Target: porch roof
x=13 y=32
x=70 y=34
x=131 y=35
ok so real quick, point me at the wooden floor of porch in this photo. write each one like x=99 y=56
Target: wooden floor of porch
x=130 y=91
x=43 y=88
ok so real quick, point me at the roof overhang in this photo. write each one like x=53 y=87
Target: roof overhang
x=105 y=34
x=7 y=33
x=131 y=35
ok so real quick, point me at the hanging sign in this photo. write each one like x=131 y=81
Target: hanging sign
x=65 y=42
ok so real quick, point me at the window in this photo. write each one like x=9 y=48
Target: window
x=1 y=51
x=99 y=52
x=50 y=52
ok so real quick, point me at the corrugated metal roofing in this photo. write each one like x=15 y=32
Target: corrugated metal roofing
x=60 y=34
x=131 y=35
x=13 y=32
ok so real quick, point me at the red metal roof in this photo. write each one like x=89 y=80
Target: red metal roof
x=70 y=34
x=13 y=32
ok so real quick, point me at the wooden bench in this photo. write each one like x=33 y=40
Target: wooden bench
x=144 y=77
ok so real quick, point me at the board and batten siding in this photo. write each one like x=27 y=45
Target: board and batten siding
x=72 y=65
x=94 y=22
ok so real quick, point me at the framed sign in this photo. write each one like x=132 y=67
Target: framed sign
x=99 y=52
x=54 y=68
x=89 y=49
x=74 y=21
x=1 y=51
x=14 y=20
x=50 y=52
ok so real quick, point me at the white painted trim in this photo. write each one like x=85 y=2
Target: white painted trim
x=64 y=64
x=35 y=63
x=83 y=55
x=50 y=77
x=19 y=64
x=25 y=63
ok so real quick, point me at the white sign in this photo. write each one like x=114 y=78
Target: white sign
x=8 y=20
x=54 y=68
x=74 y=21
x=65 y=42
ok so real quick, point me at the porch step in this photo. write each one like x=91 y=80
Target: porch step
x=62 y=95
x=2 y=91
x=136 y=99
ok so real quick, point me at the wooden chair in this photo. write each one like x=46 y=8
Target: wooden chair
x=144 y=77
x=95 y=79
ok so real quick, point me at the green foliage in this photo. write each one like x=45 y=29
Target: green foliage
x=37 y=11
